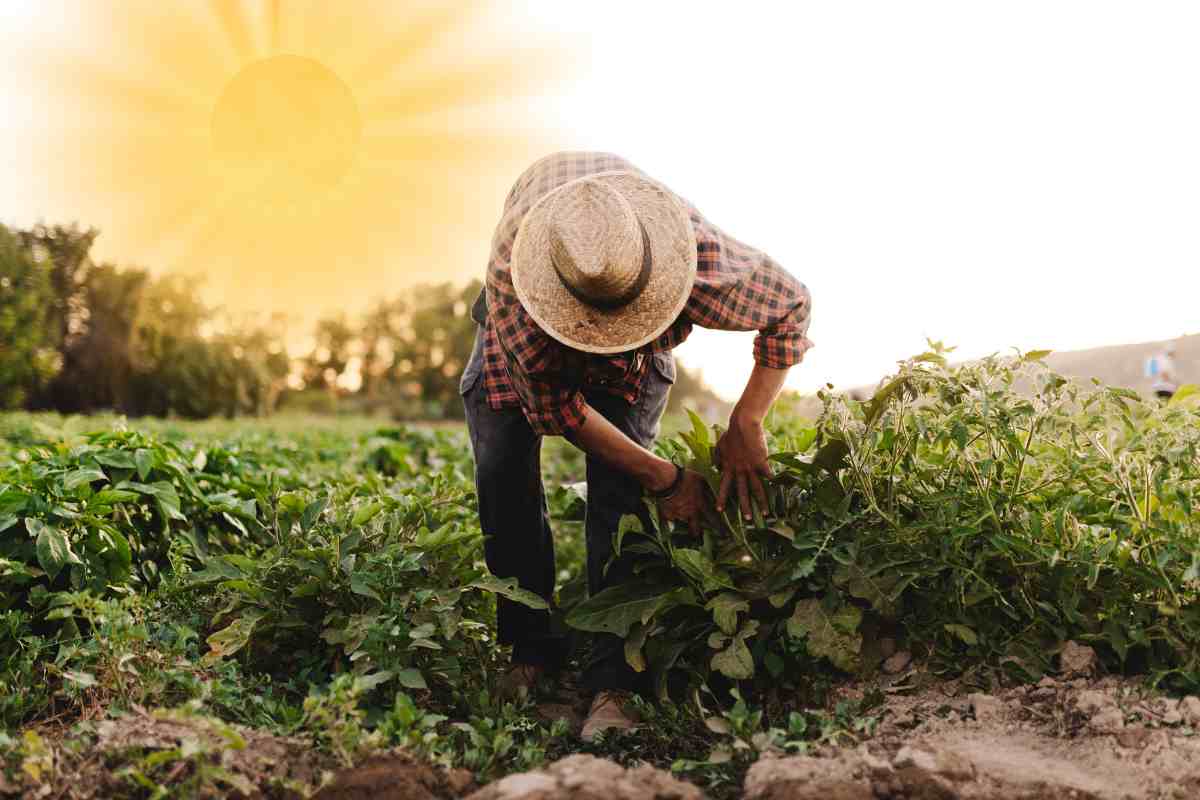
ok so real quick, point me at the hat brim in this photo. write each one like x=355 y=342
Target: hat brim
x=592 y=330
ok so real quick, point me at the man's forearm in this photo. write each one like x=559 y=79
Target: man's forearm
x=760 y=393
x=600 y=438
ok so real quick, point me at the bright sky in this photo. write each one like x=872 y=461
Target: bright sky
x=991 y=174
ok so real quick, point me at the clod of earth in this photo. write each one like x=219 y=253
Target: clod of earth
x=1077 y=661
x=583 y=777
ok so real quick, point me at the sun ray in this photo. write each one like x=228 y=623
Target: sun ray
x=230 y=13
x=440 y=147
x=475 y=84
x=302 y=154
x=185 y=61
x=96 y=83
x=275 y=20
x=418 y=35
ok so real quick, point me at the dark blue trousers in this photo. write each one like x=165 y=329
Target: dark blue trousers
x=518 y=541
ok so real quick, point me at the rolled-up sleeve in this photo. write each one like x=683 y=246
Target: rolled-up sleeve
x=783 y=343
x=739 y=288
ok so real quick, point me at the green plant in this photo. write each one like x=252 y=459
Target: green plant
x=980 y=522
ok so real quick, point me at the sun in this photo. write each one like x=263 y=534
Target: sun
x=286 y=124
x=299 y=155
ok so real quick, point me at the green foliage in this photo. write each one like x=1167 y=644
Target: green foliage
x=978 y=521
x=327 y=580
x=101 y=513
x=28 y=356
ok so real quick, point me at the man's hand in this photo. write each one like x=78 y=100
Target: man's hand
x=687 y=503
x=741 y=455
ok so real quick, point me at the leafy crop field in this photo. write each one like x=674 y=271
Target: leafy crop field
x=246 y=608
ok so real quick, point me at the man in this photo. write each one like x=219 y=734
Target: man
x=1161 y=367
x=596 y=273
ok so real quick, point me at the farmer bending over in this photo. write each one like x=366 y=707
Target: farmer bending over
x=596 y=273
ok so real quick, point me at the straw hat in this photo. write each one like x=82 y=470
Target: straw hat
x=605 y=263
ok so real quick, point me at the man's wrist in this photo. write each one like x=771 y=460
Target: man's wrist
x=660 y=476
x=744 y=418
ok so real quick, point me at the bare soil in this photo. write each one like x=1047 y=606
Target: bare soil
x=1099 y=740
x=1072 y=737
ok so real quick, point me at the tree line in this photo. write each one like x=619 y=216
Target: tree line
x=77 y=336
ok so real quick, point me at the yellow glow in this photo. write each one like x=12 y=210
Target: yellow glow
x=286 y=127
x=300 y=155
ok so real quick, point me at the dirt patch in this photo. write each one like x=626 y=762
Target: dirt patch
x=583 y=777
x=186 y=755
x=396 y=776
x=1104 y=739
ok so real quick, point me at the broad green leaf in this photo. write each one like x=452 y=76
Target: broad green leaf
x=629 y=524
x=617 y=608
x=411 y=679
x=231 y=638
x=831 y=636
x=366 y=513
x=633 y=647
x=369 y=682
x=1036 y=355
x=80 y=477
x=700 y=568
x=964 y=633
x=108 y=497
x=53 y=547
x=423 y=631
x=84 y=680
x=877 y=584
x=507 y=587
x=879 y=403
x=145 y=460
x=312 y=512
x=360 y=586
x=736 y=661
x=725 y=608
x=1186 y=393
x=115 y=458
x=832 y=456
x=164 y=492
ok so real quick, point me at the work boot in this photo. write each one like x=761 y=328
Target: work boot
x=607 y=713
x=519 y=682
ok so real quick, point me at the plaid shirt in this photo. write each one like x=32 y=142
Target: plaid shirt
x=737 y=288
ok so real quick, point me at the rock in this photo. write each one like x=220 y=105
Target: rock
x=527 y=784
x=584 y=777
x=887 y=647
x=843 y=777
x=986 y=707
x=395 y=776
x=1189 y=709
x=1107 y=720
x=1092 y=701
x=1172 y=717
x=460 y=781
x=897 y=662
x=1077 y=660
x=1135 y=738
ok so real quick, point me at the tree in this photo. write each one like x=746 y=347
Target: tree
x=28 y=357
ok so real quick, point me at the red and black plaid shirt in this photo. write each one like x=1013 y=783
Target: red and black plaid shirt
x=737 y=288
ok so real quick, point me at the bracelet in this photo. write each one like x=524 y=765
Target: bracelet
x=670 y=490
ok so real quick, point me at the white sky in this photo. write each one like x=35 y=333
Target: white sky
x=992 y=174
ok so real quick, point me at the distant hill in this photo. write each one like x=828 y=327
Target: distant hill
x=1123 y=365
x=1117 y=365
